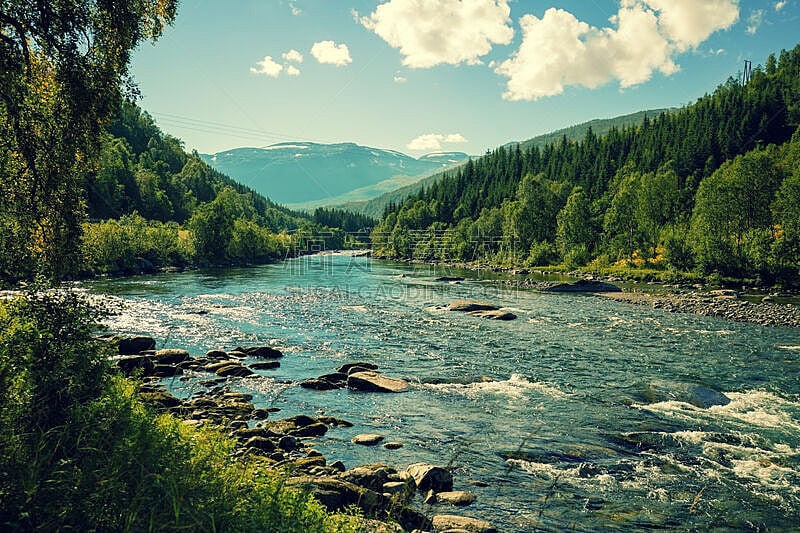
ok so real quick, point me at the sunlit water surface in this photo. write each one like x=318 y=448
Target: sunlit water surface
x=564 y=437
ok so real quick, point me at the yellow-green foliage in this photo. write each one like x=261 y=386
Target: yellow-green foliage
x=79 y=451
x=117 y=245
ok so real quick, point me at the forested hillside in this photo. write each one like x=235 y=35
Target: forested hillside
x=376 y=206
x=147 y=203
x=152 y=204
x=713 y=187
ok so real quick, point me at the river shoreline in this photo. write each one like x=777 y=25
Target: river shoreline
x=676 y=298
x=391 y=499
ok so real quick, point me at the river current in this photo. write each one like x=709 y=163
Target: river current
x=565 y=438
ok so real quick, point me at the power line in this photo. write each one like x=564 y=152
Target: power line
x=207 y=126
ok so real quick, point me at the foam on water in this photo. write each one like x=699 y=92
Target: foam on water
x=516 y=386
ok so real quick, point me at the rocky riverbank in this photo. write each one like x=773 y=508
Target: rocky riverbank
x=382 y=492
x=721 y=303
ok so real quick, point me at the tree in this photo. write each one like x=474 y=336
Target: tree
x=214 y=223
x=732 y=210
x=575 y=233
x=63 y=73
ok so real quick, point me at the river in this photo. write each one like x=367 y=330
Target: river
x=564 y=438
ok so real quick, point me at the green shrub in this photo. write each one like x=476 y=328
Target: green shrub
x=78 y=450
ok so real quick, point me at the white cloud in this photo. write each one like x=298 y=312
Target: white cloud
x=296 y=11
x=330 y=53
x=559 y=50
x=292 y=70
x=687 y=23
x=433 y=141
x=780 y=5
x=399 y=78
x=434 y=32
x=267 y=67
x=754 y=21
x=293 y=56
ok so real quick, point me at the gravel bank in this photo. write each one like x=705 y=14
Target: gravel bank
x=722 y=305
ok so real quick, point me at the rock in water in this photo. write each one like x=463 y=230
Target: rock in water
x=171 y=356
x=374 y=382
x=367 y=439
x=495 y=314
x=135 y=345
x=129 y=363
x=458 y=497
x=697 y=395
x=336 y=494
x=465 y=306
x=238 y=371
x=359 y=366
x=446 y=522
x=263 y=352
x=265 y=365
x=430 y=477
x=583 y=285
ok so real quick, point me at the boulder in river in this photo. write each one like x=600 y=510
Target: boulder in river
x=368 y=476
x=299 y=426
x=135 y=345
x=582 y=285
x=237 y=370
x=444 y=522
x=367 y=439
x=319 y=384
x=697 y=395
x=336 y=494
x=374 y=382
x=265 y=365
x=430 y=477
x=130 y=363
x=262 y=352
x=457 y=497
x=171 y=356
x=494 y=314
x=358 y=366
x=466 y=306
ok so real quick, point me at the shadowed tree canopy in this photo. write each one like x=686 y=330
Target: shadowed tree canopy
x=63 y=73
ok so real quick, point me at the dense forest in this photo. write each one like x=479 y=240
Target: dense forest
x=713 y=187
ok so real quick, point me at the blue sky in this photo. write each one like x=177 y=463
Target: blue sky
x=420 y=76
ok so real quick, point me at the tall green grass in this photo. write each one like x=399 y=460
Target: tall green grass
x=79 y=451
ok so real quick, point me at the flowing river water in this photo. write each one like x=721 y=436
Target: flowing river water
x=566 y=437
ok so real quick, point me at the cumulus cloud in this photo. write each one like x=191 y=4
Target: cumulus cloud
x=434 y=141
x=780 y=5
x=399 y=78
x=754 y=21
x=328 y=52
x=558 y=50
x=292 y=70
x=267 y=67
x=687 y=23
x=434 y=32
x=293 y=56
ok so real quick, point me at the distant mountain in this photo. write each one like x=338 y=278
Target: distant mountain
x=375 y=206
x=310 y=173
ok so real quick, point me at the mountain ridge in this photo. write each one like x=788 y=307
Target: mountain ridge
x=303 y=172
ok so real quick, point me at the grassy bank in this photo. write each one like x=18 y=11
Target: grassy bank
x=79 y=451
